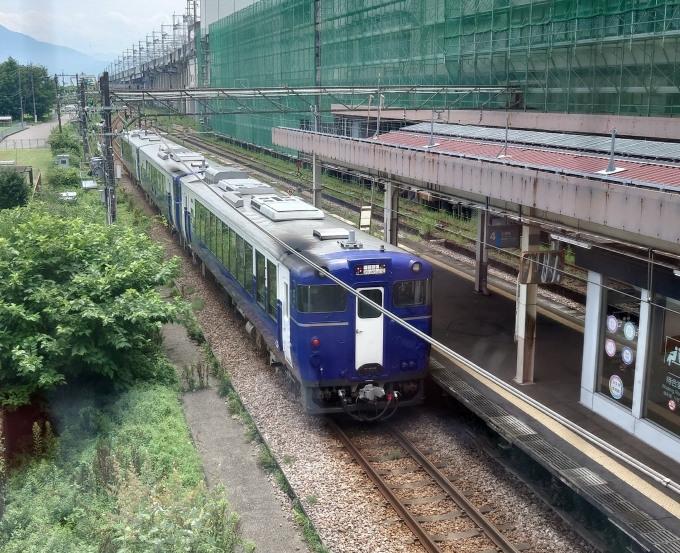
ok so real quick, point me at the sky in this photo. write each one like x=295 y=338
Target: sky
x=100 y=28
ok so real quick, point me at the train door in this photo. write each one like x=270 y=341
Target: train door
x=369 y=328
x=284 y=287
x=177 y=190
x=187 y=216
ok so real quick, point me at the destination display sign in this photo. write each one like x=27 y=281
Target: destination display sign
x=373 y=269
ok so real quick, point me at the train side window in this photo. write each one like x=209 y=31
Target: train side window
x=240 y=261
x=248 y=276
x=260 y=266
x=411 y=293
x=225 y=245
x=211 y=232
x=201 y=221
x=197 y=221
x=218 y=240
x=271 y=281
x=366 y=311
x=321 y=299
x=216 y=231
x=232 y=252
x=204 y=226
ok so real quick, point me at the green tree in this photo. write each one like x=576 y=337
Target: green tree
x=77 y=300
x=13 y=189
x=35 y=83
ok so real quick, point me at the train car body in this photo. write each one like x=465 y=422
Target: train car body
x=341 y=352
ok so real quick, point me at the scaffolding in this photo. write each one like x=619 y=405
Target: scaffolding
x=570 y=56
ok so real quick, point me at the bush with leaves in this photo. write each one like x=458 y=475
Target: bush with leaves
x=64 y=143
x=77 y=300
x=14 y=191
x=58 y=177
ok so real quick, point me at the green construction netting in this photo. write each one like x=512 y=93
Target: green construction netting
x=575 y=56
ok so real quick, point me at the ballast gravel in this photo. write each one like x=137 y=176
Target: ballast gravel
x=344 y=506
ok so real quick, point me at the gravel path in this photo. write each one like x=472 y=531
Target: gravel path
x=348 y=512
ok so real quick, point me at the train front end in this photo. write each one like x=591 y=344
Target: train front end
x=353 y=357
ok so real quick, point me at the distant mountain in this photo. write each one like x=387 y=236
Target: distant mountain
x=57 y=59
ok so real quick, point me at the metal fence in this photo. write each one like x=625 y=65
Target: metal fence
x=6 y=131
x=23 y=143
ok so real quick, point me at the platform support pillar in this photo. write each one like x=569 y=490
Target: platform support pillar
x=641 y=353
x=591 y=337
x=481 y=254
x=391 y=216
x=525 y=330
x=317 y=189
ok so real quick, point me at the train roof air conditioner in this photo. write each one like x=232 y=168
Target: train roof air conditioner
x=285 y=208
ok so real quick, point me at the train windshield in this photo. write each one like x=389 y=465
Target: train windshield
x=321 y=299
x=411 y=293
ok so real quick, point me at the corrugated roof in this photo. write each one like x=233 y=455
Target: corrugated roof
x=651 y=149
x=636 y=170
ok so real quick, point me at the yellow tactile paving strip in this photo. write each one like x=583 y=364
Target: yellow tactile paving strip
x=613 y=466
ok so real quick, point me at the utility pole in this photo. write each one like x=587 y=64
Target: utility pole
x=110 y=189
x=35 y=116
x=21 y=99
x=56 y=86
x=83 y=121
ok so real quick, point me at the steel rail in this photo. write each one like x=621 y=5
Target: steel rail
x=426 y=541
x=472 y=512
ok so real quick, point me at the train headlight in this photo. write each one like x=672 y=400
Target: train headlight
x=417 y=266
x=315 y=342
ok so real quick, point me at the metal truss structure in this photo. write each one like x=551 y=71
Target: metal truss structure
x=290 y=100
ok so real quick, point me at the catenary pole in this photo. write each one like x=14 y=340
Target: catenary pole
x=56 y=86
x=110 y=188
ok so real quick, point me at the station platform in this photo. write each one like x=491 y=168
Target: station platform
x=481 y=329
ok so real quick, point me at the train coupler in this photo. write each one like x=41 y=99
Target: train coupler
x=371 y=393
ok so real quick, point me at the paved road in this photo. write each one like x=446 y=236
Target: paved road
x=31 y=137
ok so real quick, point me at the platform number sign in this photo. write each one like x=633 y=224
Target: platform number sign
x=503 y=236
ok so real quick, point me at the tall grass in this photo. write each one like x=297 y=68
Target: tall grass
x=122 y=476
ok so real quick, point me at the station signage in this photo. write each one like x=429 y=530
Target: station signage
x=503 y=236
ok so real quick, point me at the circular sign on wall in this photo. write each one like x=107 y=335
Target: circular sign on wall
x=616 y=386
x=610 y=347
x=612 y=324
x=671 y=404
x=629 y=331
x=627 y=355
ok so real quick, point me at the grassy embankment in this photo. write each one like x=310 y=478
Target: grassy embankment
x=119 y=471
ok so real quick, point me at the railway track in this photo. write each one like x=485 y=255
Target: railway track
x=572 y=288
x=422 y=487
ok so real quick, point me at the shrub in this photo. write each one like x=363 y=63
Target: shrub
x=14 y=191
x=58 y=177
x=64 y=143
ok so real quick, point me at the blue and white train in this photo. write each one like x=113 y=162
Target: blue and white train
x=341 y=352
